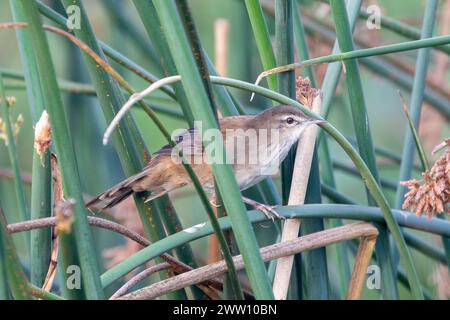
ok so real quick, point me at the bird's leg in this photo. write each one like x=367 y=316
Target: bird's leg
x=269 y=211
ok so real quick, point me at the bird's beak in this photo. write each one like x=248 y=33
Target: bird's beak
x=317 y=121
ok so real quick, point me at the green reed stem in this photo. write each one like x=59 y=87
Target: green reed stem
x=262 y=38
x=368 y=179
x=331 y=211
x=10 y=143
x=15 y=276
x=66 y=155
x=40 y=240
x=401 y=28
x=202 y=110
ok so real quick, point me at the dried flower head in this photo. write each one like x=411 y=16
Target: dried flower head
x=304 y=92
x=42 y=134
x=431 y=197
x=16 y=128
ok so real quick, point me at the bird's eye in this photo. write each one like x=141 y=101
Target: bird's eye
x=290 y=120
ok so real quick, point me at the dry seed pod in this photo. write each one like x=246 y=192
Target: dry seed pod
x=304 y=92
x=42 y=134
x=432 y=197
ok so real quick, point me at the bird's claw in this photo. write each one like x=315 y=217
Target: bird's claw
x=269 y=211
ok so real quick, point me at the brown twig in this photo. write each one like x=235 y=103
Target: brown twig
x=8 y=174
x=58 y=199
x=178 y=266
x=83 y=46
x=362 y=261
x=308 y=242
x=51 y=273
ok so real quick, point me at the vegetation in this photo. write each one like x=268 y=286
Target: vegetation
x=366 y=195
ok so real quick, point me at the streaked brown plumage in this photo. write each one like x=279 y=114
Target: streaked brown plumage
x=163 y=174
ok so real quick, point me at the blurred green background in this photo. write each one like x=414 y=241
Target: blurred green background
x=388 y=121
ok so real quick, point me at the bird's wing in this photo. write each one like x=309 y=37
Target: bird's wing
x=189 y=142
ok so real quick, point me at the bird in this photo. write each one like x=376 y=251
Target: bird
x=255 y=146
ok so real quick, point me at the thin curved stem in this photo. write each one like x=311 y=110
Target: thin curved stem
x=100 y=223
x=330 y=211
x=275 y=251
x=178 y=266
x=135 y=98
x=11 y=144
x=42 y=294
x=361 y=53
x=138 y=278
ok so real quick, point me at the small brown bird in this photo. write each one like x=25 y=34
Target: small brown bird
x=255 y=146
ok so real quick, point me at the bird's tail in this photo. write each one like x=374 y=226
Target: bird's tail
x=108 y=199
x=116 y=194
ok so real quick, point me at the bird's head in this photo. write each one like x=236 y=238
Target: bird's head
x=289 y=120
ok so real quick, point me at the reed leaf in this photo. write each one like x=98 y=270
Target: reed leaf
x=422 y=63
x=361 y=53
x=401 y=28
x=44 y=295
x=412 y=142
x=129 y=144
x=284 y=54
x=315 y=279
x=12 y=268
x=40 y=240
x=125 y=23
x=194 y=42
x=202 y=110
x=382 y=66
x=4 y=292
x=10 y=144
x=224 y=100
x=329 y=86
x=110 y=52
x=365 y=147
x=262 y=38
x=369 y=180
x=302 y=45
x=314 y=267
x=64 y=149
x=284 y=43
x=152 y=26
x=417 y=143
